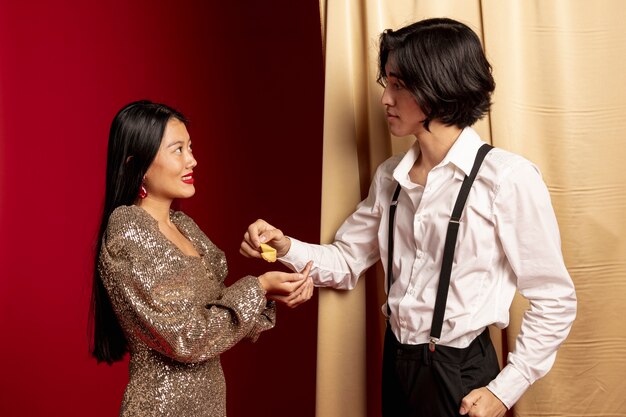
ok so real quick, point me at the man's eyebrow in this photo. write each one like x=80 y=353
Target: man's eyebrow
x=397 y=76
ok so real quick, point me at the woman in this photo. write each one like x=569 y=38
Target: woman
x=158 y=289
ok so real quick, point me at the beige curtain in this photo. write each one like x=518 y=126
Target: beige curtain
x=560 y=101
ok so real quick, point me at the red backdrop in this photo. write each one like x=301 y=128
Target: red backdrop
x=249 y=77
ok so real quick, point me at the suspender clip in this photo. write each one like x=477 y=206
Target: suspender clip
x=431 y=344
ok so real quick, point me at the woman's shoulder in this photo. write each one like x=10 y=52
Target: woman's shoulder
x=193 y=232
x=181 y=216
x=182 y=219
x=186 y=223
x=127 y=227
x=127 y=218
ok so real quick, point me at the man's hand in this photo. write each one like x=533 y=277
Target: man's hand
x=482 y=403
x=262 y=232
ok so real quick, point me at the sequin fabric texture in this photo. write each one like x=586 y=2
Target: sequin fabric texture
x=176 y=313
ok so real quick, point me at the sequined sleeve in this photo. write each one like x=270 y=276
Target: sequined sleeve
x=267 y=319
x=169 y=302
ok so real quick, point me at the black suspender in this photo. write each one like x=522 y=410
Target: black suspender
x=449 y=246
x=392 y=216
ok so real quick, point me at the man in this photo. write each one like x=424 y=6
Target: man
x=458 y=236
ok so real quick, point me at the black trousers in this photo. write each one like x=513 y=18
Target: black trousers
x=421 y=383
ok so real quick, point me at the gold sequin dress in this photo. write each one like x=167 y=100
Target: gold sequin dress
x=177 y=314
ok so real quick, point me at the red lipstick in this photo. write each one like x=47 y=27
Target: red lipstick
x=188 y=179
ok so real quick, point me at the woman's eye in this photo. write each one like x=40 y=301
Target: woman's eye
x=179 y=149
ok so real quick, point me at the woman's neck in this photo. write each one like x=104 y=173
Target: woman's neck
x=158 y=209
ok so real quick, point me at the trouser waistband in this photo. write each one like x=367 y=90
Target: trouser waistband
x=442 y=353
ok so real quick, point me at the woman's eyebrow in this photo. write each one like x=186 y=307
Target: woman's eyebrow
x=177 y=142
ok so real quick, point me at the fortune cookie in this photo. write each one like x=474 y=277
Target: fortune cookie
x=268 y=253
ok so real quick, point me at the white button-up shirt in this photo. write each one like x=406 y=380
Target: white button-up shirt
x=508 y=240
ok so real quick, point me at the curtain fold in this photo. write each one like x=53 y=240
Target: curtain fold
x=341 y=372
x=560 y=70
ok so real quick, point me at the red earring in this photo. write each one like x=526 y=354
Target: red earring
x=143 y=193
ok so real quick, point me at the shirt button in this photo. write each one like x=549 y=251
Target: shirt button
x=419 y=254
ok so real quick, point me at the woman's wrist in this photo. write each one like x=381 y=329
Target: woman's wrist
x=263 y=283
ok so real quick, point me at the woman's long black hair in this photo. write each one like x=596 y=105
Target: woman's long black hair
x=134 y=140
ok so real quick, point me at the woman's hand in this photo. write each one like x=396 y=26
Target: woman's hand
x=291 y=289
x=284 y=283
x=262 y=232
x=299 y=296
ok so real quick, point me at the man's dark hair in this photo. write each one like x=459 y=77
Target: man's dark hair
x=442 y=63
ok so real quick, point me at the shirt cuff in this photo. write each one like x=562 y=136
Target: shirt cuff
x=293 y=258
x=509 y=386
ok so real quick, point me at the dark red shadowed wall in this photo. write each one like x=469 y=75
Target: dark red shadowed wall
x=250 y=78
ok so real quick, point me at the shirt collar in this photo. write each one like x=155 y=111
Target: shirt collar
x=401 y=172
x=461 y=154
x=463 y=151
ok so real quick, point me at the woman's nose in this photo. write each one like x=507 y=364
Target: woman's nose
x=192 y=161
